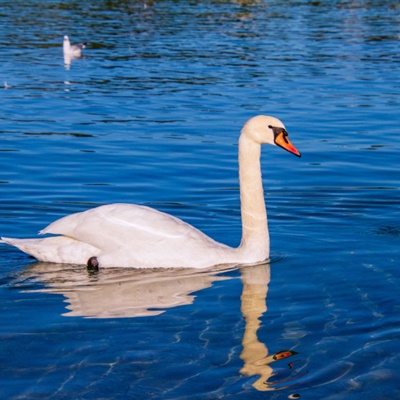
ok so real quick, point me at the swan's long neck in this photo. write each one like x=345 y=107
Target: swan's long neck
x=255 y=236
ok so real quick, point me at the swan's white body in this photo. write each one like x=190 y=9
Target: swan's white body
x=72 y=50
x=126 y=235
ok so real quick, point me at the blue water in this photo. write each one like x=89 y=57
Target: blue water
x=151 y=115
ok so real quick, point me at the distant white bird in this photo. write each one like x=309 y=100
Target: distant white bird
x=127 y=235
x=72 y=50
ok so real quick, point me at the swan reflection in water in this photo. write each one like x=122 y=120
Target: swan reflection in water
x=127 y=293
x=119 y=292
x=255 y=354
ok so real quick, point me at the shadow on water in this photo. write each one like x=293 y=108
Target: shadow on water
x=129 y=293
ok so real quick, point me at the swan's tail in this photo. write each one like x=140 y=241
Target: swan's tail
x=57 y=249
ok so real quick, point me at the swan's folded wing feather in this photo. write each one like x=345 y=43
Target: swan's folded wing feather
x=62 y=249
x=114 y=226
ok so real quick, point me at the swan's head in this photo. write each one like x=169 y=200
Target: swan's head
x=269 y=130
x=66 y=38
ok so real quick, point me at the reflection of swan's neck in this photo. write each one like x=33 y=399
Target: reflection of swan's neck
x=255 y=234
x=254 y=298
x=253 y=301
x=255 y=353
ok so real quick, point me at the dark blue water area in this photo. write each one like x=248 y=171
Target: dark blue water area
x=151 y=115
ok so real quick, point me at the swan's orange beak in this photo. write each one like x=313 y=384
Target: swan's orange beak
x=283 y=141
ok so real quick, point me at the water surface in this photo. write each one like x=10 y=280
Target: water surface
x=151 y=115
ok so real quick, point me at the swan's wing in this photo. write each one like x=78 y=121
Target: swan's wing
x=61 y=249
x=125 y=225
x=125 y=235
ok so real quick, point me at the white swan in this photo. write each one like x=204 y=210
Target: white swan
x=127 y=235
x=74 y=50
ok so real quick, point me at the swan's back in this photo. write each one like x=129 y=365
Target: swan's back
x=122 y=230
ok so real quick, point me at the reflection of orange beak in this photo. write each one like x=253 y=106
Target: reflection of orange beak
x=283 y=141
x=284 y=354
